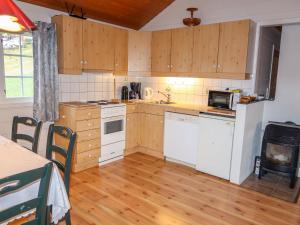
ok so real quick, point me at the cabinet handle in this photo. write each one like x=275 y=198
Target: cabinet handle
x=171 y=66
x=89 y=124
x=168 y=66
x=81 y=61
x=63 y=116
x=90 y=145
x=85 y=62
x=89 y=114
x=89 y=134
x=219 y=66
x=90 y=156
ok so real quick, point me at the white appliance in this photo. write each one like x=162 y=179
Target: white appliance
x=181 y=138
x=215 y=145
x=113 y=127
x=148 y=93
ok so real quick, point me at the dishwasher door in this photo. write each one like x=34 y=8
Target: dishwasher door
x=181 y=138
x=216 y=139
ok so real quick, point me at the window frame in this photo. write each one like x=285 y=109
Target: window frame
x=3 y=98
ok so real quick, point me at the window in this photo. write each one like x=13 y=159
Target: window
x=16 y=72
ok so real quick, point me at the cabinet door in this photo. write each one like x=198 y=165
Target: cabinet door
x=69 y=40
x=132 y=130
x=139 y=51
x=205 y=51
x=182 y=50
x=157 y=133
x=98 y=46
x=145 y=130
x=121 y=52
x=233 y=46
x=161 y=51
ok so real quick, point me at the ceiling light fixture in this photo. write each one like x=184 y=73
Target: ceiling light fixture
x=191 y=21
x=12 y=19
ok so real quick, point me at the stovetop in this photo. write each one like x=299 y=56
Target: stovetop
x=106 y=103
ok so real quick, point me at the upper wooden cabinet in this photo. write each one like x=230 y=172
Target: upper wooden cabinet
x=205 y=50
x=98 y=46
x=121 y=52
x=87 y=45
x=234 y=47
x=161 y=51
x=139 y=53
x=69 y=36
x=182 y=50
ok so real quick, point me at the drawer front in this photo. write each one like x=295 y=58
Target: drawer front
x=112 y=149
x=85 y=165
x=88 y=156
x=131 y=108
x=85 y=114
x=88 y=135
x=84 y=146
x=87 y=124
x=152 y=109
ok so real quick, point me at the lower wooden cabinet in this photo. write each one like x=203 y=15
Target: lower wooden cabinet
x=132 y=130
x=85 y=121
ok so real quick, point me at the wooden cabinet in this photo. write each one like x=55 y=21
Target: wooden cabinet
x=121 y=52
x=69 y=40
x=205 y=50
x=161 y=51
x=235 y=48
x=132 y=130
x=182 y=50
x=98 y=46
x=139 y=53
x=85 y=121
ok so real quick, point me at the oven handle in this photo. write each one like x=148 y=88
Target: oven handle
x=104 y=120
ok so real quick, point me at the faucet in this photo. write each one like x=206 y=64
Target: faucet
x=168 y=96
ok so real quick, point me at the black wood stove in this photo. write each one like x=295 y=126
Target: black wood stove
x=280 y=150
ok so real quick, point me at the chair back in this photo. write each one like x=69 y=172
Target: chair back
x=62 y=153
x=17 y=182
x=27 y=121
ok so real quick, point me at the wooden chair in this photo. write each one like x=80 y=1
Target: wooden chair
x=62 y=153
x=27 y=121
x=15 y=182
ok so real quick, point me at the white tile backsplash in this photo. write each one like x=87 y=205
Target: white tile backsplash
x=92 y=86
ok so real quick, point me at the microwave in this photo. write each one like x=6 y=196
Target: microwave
x=223 y=99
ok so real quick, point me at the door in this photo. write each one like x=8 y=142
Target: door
x=139 y=51
x=215 y=146
x=121 y=52
x=206 y=46
x=233 y=46
x=69 y=40
x=132 y=130
x=157 y=132
x=182 y=50
x=161 y=51
x=145 y=131
x=98 y=46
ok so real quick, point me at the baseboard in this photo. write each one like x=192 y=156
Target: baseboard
x=145 y=150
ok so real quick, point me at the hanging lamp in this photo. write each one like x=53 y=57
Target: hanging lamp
x=12 y=19
x=191 y=21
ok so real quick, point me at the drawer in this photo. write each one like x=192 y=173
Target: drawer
x=84 y=146
x=88 y=135
x=153 y=109
x=85 y=114
x=112 y=155
x=131 y=108
x=87 y=124
x=88 y=156
x=85 y=165
x=112 y=148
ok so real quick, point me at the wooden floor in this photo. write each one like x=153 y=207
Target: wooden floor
x=144 y=190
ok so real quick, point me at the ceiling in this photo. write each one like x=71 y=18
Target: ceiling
x=127 y=13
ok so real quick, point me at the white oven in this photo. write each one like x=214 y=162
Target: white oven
x=112 y=130
x=113 y=127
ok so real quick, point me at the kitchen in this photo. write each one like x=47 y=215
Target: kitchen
x=184 y=117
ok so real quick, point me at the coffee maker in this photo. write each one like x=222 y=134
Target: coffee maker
x=135 y=92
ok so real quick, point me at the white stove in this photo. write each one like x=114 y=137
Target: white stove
x=113 y=128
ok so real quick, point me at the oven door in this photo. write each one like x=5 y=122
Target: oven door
x=112 y=130
x=220 y=99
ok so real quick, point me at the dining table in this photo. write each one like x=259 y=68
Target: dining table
x=16 y=159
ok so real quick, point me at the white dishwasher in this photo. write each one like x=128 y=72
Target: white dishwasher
x=215 y=145
x=181 y=138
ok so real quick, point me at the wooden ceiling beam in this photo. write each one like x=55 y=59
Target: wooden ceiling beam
x=127 y=13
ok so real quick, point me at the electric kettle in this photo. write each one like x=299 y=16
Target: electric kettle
x=148 y=93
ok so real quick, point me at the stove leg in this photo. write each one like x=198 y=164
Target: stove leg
x=293 y=180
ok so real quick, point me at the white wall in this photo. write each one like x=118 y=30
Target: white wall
x=286 y=106
x=212 y=11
